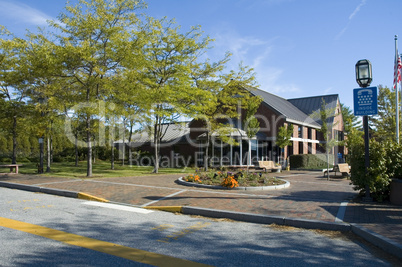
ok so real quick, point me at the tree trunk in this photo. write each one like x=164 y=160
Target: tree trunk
x=94 y=152
x=156 y=145
x=89 y=146
x=326 y=149
x=206 y=158
x=130 y=156
x=51 y=149
x=249 y=155
x=124 y=143
x=76 y=150
x=48 y=155
x=112 y=157
x=14 y=131
x=327 y=166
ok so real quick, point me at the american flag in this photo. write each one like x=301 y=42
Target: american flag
x=397 y=72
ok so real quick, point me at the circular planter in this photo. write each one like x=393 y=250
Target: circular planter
x=253 y=188
x=396 y=192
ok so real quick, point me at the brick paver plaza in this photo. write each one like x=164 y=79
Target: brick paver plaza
x=310 y=196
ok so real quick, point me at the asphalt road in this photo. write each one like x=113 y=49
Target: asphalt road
x=46 y=230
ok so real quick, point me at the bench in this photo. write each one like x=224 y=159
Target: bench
x=343 y=168
x=269 y=165
x=236 y=167
x=11 y=166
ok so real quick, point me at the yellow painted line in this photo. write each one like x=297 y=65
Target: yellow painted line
x=132 y=254
x=90 y=197
x=165 y=208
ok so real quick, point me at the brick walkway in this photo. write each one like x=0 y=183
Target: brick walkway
x=310 y=196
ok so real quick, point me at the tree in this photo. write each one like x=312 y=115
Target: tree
x=352 y=128
x=385 y=122
x=284 y=136
x=350 y=121
x=251 y=124
x=169 y=58
x=14 y=87
x=326 y=116
x=95 y=36
x=221 y=102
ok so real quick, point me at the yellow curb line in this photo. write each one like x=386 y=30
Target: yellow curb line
x=166 y=208
x=129 y=253
x=90 y=197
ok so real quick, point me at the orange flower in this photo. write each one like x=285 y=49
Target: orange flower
x=230 y=182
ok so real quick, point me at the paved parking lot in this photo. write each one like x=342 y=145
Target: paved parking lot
x=309 y=196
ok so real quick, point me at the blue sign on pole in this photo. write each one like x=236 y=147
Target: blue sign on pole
x=365 y=101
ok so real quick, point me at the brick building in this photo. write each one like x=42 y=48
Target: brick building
x=185 y=142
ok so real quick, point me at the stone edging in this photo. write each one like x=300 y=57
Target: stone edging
x=250 y=188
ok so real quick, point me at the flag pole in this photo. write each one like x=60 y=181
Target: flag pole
x=400 y=88
x=396 y=89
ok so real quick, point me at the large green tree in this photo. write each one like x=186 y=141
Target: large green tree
x=170 y=56
x=221 y=104
x=384 y=124
x=93 y=39
x=15 y=81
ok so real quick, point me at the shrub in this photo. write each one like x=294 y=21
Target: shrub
x=23 y=160
x=385 y=161
x=5 y=160
x=310 y=161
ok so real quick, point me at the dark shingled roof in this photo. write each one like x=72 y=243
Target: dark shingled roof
x=174 y=133
x=311 y=105
x=284 y=107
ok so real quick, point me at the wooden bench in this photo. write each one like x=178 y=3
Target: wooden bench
x=343 y=168
x=11 y=166
x=268 y=165
x=236 y=167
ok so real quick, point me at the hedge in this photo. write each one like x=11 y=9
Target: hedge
x=310 y=161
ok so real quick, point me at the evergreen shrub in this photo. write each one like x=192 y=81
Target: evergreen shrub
x=310 y=161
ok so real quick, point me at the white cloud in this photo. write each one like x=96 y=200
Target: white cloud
x=256 y=53
x=357 y=9
x=351 y=16
x=22 y=13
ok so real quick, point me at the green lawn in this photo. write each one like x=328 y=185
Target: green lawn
x=100 y=169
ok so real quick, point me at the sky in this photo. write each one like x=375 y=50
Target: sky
x=298 y=48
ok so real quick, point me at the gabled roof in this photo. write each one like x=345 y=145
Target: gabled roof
x=173 y=132
x=312 y=105
x=284 y=107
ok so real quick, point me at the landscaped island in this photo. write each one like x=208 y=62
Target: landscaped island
x=232 y=179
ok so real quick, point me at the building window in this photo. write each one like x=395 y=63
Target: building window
x=338 y=135
x=300 y=131
x=310 y=148
x=310 y=133
x=301 y=150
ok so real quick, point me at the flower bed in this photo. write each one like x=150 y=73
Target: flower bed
x=231 y=179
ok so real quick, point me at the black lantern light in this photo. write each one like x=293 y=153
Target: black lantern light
x=364 y=73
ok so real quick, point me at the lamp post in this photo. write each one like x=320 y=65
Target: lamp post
x=364 y=77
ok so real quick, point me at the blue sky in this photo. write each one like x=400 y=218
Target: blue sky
x=298 y=48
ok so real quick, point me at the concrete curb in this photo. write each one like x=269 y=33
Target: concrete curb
x=378 y=240
x=51 y=191
x=264 y=219
x=249 y=188
x=90 y=197
x=165 y=208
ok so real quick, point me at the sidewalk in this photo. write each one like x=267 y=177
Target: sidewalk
x=309 y=197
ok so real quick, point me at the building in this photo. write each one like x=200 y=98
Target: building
x=185 y=142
